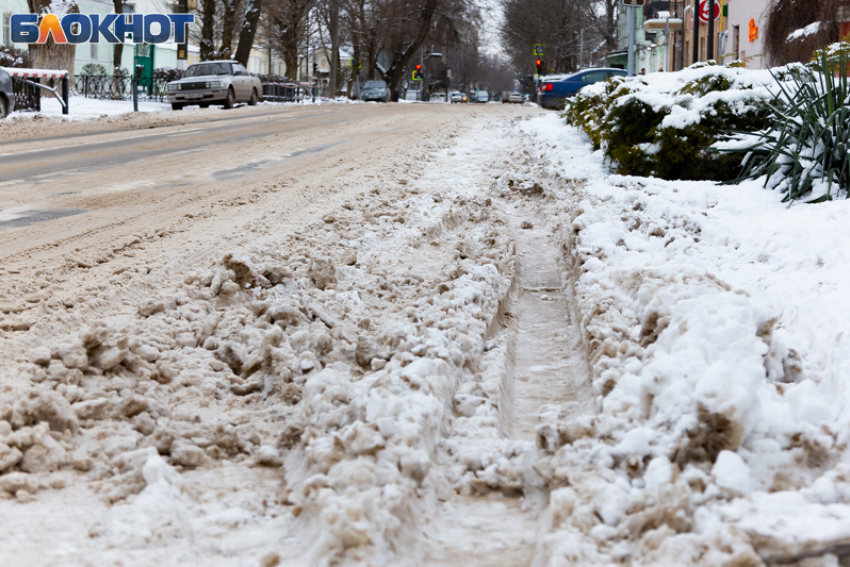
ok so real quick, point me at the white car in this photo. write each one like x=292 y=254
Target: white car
x=437 y=97
x=481 y=96
x=214 y=82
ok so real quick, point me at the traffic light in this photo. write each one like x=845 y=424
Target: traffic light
x=417 y=73
x=539 y=67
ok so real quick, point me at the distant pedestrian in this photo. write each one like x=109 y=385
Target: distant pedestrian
x=642 y=71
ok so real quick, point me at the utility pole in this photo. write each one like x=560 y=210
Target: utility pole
x=695 y=34
x=710 y=53
x=632 y=24
x=581 y=50
x=682 y=47
x=183 y=48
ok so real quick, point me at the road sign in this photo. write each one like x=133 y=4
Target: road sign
x=538 y=49
x=703 y=11
x=633 y=2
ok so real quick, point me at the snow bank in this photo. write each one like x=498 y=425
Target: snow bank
x=713 y=319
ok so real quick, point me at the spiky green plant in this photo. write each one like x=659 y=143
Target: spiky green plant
x=804 y=150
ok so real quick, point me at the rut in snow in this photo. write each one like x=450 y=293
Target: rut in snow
x=547 y=370
x=545 y=375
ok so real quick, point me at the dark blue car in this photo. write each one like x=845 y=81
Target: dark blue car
x=555 y=91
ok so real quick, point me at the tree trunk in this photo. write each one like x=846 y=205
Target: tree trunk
x=207 y=30
x=117 y=54
x=249 y=30
x=227 y=26
x=49 y=55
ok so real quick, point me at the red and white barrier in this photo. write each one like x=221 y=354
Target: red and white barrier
x=36 y=73
x=33 y=75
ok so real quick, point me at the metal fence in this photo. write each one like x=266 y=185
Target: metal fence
x=280 y=92
x=156 y=89
x=27 y=96
x=121 y=88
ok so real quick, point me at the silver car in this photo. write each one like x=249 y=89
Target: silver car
x=7 y=94
x=214 y=82
x=375 y=90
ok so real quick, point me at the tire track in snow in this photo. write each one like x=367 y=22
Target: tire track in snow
x=544 y=377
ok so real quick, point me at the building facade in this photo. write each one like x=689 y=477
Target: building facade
x=665 y=34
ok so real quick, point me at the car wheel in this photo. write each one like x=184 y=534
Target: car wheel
x=4 y=107
x=176 y=106
x=254 y=98
x=231 y=98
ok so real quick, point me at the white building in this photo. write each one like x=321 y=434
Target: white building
x=745 y=26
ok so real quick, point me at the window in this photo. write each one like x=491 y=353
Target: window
x=736 y=38
x=594 y=77
x=7 y=30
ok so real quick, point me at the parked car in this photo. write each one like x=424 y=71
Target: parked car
x=516 y=98
x=214 y=82
x=7 y=94
x=437 y=97
x=554 y=91
x=481 y=96
x=458 y=96
x=375 y=90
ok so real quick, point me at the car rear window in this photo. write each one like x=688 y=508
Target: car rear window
x=594 y=77
x=375 y=85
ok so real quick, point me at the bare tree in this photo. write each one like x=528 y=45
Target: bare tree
x=288 y=22
x=786 y=16
x=228 y=25
x=249 y=29
x=207 y=39
x=559 y=25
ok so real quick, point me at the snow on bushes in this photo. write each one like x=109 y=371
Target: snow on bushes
x=803 y=151
x=713 y=320
x=663 y=124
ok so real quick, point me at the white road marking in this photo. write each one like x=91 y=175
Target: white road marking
x=186 y=133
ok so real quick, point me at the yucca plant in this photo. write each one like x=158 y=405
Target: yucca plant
x=804 y=150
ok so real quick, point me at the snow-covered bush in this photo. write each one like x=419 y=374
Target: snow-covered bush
x=803 y=151
x=93 y=70
x=14 y=57
x=663 y=124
